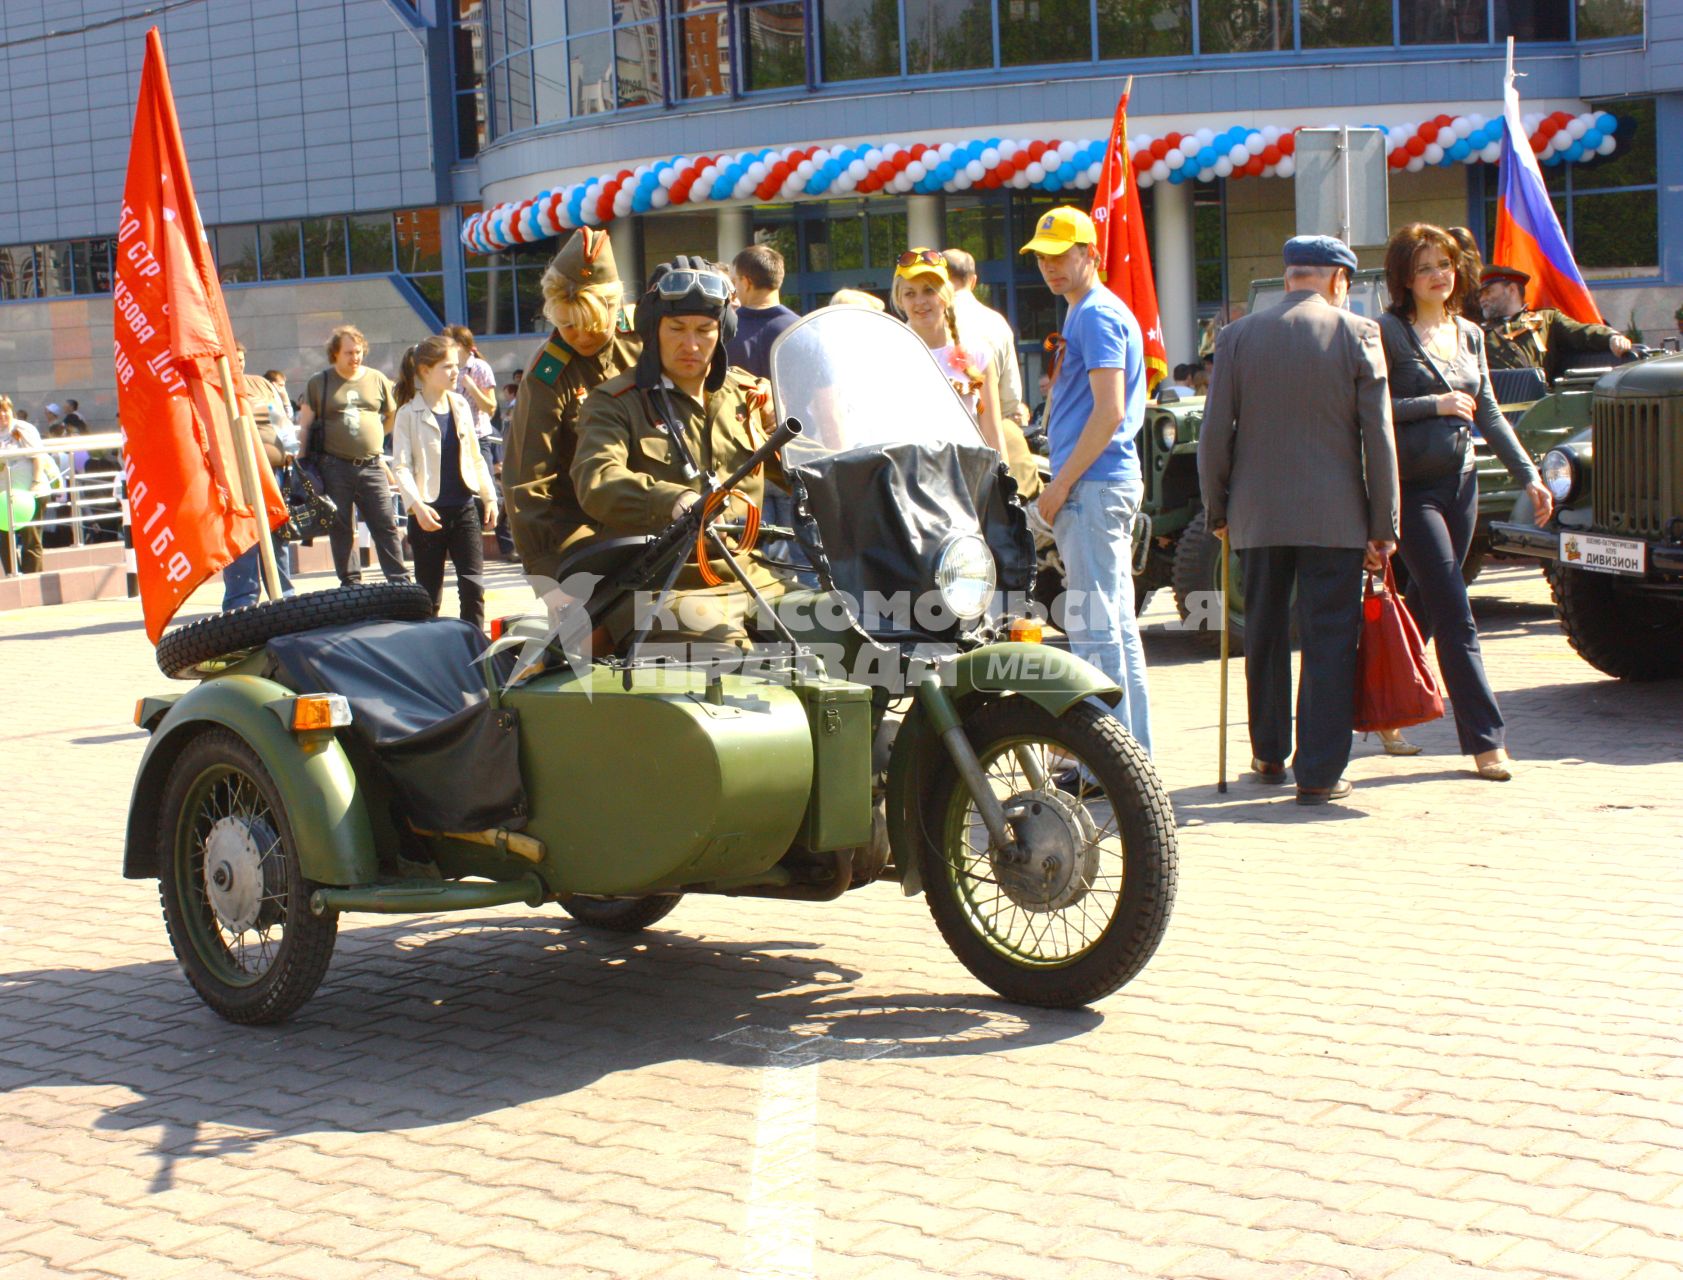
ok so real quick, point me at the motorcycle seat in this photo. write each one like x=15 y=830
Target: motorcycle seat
x=601 y=557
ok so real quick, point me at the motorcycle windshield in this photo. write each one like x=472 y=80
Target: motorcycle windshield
x=859 y=379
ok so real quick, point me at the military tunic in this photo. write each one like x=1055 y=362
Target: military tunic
x=629 y=477
x=1543 y=340
x=544 y=514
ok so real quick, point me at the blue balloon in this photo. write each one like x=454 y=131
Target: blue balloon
x=944 y=171
x=639 y=201
x=1575 y=152
x=1066 y=173
x=1591 y=139
x=1460 y=151
x=1178 y=176
x=1607 y=122
x=1051 y=182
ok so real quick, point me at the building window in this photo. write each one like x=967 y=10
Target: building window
x=639 y=78
x=1128 y=29
x=1244 y=26
x=861 y=38
x=370 y=237
x=236 y=253
x=1607 y=19
x=324 y=247
x=91 y=262
x=1444 y=22
x=1035 y=31
x=1344 y=24
x=948 y=35
x=468 y=58
x=281 y=259
x=1609 y=206
x=1534 y=21
x=773 y=46
x=701 y=48
x=1209 y=241
x=418 y=240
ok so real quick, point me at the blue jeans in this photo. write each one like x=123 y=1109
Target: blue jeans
x=242 y=579
x=1095 y=535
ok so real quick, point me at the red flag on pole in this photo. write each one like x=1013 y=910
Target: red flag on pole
x=191 y=514
x=1124 y=254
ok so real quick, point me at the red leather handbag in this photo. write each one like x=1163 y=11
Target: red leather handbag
x=1394 y=686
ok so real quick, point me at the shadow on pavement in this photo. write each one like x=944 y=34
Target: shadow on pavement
x=433 y=1022
x=1626 y=722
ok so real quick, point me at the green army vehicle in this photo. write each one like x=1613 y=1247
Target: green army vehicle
x=1613 y=552
x=341 y=751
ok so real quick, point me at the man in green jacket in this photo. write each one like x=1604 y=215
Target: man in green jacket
x=1519 y=338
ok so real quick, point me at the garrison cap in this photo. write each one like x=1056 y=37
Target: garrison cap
x=1497 y=275
x=1318 y=251
x=586 y=259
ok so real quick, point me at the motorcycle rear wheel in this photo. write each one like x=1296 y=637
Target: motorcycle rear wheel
x=621 y=915
x=1087 y=911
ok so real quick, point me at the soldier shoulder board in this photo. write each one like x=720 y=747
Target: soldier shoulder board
x=549 y=362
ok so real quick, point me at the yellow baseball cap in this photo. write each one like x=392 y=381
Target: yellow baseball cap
x=1059 y=230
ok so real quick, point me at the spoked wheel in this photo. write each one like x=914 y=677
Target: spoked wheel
x=1083 y=912
x=235 y=902
x=621 y=915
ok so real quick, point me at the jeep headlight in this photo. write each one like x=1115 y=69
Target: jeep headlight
x=1560 y=474
x=965 y=576
x=1167 y=432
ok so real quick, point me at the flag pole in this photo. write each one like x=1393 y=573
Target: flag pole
x=1226 y=590
x=246 y=449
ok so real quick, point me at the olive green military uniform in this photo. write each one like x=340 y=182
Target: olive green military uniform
x=544 y=514
x=629 y=477
x=1543 y=340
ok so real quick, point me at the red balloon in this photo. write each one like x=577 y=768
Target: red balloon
x=1255 y=165
x=1036 y=150
x=1415 y=146
x=1398 y=159
x=1270 y=155
x=1288 y=143
x=605 y=204
x=1170 y=142
x=1159 y=148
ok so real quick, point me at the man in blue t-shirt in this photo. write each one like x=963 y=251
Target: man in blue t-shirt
x=1095 y=409
x=757 y=273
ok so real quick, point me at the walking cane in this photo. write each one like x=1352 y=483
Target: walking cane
x=1226 y=587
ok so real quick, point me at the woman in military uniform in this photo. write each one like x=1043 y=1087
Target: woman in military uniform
x=592 y=341
x=647 y=436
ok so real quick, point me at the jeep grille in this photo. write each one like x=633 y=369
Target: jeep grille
x=1637 y=488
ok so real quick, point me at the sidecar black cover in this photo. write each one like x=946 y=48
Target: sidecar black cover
x=419 y=703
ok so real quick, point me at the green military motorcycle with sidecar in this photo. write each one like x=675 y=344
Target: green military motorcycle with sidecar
x=343 y=752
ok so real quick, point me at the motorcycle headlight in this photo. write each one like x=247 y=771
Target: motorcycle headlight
x=1560 y=474
x=965 y=576
x=1167 y=433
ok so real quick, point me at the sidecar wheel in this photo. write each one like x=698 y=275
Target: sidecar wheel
x=621 y=915
x=235 y=901
x=1086 y=912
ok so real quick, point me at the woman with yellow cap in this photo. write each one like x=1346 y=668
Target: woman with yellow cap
x=923 y=295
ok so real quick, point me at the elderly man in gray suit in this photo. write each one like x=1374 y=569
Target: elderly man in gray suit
x=1298 y=464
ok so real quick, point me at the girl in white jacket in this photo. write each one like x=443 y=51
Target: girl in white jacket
x=442 y=475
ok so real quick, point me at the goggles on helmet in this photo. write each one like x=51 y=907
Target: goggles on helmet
x=675 y=285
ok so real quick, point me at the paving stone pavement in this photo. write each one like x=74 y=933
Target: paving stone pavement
x=1431 y=1033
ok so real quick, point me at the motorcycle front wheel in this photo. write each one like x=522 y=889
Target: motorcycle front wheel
x=1079 y=907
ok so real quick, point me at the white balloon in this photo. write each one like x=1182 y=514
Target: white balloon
x=757 y=171
x=946 y=149
x=1139 y=142
x=975 y=171
x=873 y=157
x=744 y=187
x=1531 y=120
x=1432 y=154
x=1223 y=168
x=1206 y=175
x=668 y=176
x=1238 y=153
x=961 y=181
x=1270 y=135
x=659 y=198
x=915 y=171
x=1205 y=137
x=1144 y=179
x=1607 y=146
x=857 y=170
x=1492 y=153
x=1475 y=122
x=1461 y=126
x=1416 y=163
x=1174 y=157
x=1036 y=172
x=803 y=170
x=1445 y=137
x=1094 y=170
x=1066 y=149
x=1254 y=145
x=1007 y=149
x=1160 y=170
x=1020 y=179
x=1576 y=127
x=990 y=157
x=1285 y=168
x=622 y=202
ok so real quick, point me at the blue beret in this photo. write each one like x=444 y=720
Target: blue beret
x=1319 y=251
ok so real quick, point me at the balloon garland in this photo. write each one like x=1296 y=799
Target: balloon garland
x=897 y=168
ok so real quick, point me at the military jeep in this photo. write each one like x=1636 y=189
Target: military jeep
x=1614 y=551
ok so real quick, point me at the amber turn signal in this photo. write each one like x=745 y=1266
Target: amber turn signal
x=1027 y=630
x=320 y=711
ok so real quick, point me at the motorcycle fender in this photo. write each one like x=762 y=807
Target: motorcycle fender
x=1052 y=678
x=317 y=785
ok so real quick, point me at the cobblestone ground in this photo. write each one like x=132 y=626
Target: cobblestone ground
x=1431 y=1033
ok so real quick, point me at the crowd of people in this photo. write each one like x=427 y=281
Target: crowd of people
x=1328 y=441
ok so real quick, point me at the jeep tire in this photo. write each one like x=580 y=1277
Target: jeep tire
x=1618 y=631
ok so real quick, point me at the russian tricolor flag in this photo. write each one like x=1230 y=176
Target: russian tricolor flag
x=1528 y=235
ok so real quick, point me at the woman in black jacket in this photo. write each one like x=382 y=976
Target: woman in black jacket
x=1441 y=397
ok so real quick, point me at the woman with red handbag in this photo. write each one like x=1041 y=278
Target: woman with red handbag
x=1440 y=391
